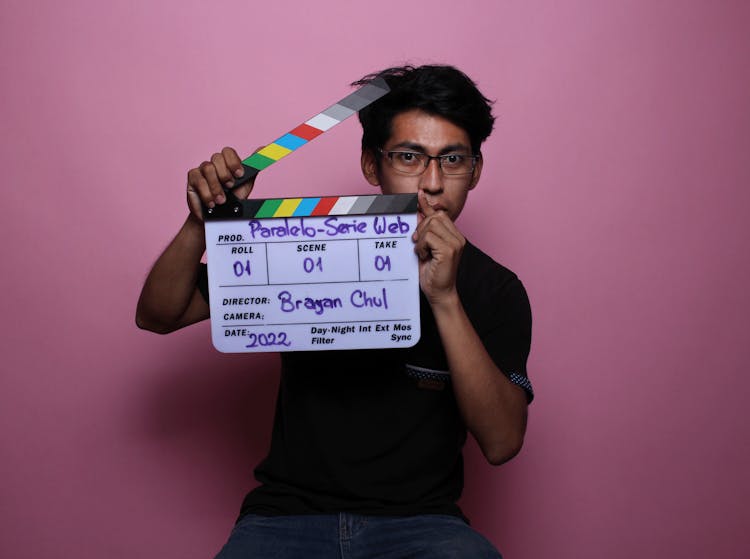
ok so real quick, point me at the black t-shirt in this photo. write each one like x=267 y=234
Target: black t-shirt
x=379 y=431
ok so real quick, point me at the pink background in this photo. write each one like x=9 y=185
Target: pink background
x=617 y=185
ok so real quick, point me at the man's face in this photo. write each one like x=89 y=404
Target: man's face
x=419 y=132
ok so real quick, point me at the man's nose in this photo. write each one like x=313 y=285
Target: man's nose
x=432 y=178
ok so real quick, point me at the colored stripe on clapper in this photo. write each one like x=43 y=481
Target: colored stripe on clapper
x=331 y=205
x=314 y=127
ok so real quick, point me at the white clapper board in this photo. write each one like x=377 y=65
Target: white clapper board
x=300 y=274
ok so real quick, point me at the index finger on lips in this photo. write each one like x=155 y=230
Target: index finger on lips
x=428 y=213
x=423 y=205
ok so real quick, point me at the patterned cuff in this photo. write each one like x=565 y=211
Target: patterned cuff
x=524 y=382
x=420 y=373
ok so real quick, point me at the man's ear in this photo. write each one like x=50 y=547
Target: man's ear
x=369 y=167
x=477 y=172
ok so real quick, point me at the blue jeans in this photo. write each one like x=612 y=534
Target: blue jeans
x=351 y=536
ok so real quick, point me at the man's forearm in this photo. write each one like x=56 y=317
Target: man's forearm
x=168 y=299
x=493 y=408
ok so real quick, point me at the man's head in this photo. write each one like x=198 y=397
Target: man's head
x=431 y=112
x=441 y=91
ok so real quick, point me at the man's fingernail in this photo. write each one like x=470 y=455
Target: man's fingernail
x=239 y=172
x=220 y=199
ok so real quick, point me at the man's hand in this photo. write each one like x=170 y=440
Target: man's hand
x=170 y=298
x=438 y=244
x=204 y=183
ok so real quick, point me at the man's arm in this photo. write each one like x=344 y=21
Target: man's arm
x=170 y=298
x=493 y=408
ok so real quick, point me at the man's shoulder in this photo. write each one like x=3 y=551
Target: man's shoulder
x=489 y=290
x=478 y=267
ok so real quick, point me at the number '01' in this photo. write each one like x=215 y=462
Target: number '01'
x=241 y=268
x=382 y=263
x=309 y=264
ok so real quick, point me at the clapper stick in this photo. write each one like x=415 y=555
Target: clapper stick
x=312 y=128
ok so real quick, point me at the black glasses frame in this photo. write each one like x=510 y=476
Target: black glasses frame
x=427 y=159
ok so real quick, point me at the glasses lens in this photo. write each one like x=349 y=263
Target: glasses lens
x=456 y=164
x=407 y=162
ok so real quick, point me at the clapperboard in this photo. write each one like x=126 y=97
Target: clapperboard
x=314 y=274
x=317 y=273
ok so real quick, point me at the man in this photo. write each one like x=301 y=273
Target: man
x=365 y=457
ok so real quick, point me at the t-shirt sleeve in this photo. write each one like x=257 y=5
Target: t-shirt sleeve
x=509 y=340
x=203 y=280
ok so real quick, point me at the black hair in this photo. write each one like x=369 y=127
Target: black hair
x=438 y=90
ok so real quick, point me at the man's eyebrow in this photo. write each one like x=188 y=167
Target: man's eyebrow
x=450 y=148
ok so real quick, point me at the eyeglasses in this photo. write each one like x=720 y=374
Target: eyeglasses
x=414 y=163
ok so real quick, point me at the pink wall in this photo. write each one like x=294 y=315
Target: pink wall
x=617 y=185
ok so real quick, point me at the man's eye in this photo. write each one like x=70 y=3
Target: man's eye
x=453 y=160
x=407 y=158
